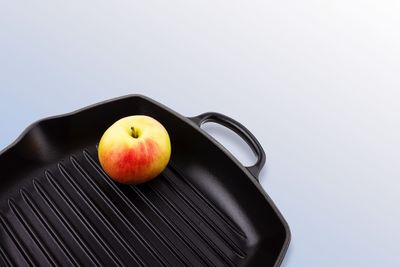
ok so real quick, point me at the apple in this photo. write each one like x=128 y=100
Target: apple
x=134 y=149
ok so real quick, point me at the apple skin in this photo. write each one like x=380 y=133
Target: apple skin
x=131 y=159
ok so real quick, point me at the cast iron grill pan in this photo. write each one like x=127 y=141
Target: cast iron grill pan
x=59 y=208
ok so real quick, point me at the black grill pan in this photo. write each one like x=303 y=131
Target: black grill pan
x=58 y=207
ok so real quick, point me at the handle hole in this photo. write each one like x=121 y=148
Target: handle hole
x=231 y=141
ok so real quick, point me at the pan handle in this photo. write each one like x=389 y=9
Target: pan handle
x=239 y=129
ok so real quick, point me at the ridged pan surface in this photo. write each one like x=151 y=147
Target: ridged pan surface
x=59 y=208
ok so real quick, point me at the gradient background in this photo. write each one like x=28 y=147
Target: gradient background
x=316 y=81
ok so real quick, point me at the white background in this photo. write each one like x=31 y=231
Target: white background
x=316 y=81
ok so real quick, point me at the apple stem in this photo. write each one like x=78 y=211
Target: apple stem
x=134 y=133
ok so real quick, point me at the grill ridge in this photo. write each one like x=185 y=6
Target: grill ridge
x=208 y=221
x=21 y=249
x=5 y=257
x=99 y=215
x=28 y=228
x=189 y=223
x=65 y=222
x=132 y=206
x=228 y=222
x=110 y=252
x=47 y=226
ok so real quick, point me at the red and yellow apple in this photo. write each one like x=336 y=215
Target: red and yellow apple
x=134 y=149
